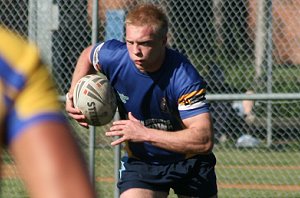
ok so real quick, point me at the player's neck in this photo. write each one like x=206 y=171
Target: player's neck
x=156 y=65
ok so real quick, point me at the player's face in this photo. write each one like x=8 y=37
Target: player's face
x=146 y=50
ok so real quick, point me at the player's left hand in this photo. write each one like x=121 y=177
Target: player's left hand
x=127 y=130
x=73 y=112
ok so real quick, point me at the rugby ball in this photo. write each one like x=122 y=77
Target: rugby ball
x=95 y=98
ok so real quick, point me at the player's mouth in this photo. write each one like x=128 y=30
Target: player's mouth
x=139 y=62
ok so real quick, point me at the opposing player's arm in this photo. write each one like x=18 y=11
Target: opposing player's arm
x=49 y=159
x=41 y=140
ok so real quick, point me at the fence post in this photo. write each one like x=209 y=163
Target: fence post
x=117 y=161
x=269 y=61
x=92 y=154
x=43 y=19
x=92 y=128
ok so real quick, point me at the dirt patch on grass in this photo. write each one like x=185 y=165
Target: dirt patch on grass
x=245 y=167
x=260 y=187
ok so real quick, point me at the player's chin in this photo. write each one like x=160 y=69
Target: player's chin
x=141 y=68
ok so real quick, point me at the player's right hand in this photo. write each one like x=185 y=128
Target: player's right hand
x=73 y=112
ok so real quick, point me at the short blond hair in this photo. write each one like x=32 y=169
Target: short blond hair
x=149 y=14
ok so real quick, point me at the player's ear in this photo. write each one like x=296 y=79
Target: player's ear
x=131 y=117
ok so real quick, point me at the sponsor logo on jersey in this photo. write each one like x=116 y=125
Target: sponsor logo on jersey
x=123 y=98
x=158 y=124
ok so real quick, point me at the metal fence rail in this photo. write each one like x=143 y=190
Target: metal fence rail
x=248 y=51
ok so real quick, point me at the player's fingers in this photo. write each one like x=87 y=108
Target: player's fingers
x=70 y=106
x=118 y=141
x=117 y=127
x=114 y=133
x=79 y=117
x=76 y=114
x=119 y=122
x=84 y=124
x=72 y=111
x=131 y=117
x=69 y=103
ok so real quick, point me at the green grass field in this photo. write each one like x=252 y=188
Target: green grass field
x=240 y=172
x=258 y=173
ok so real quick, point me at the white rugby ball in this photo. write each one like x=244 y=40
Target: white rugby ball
x=95 y=98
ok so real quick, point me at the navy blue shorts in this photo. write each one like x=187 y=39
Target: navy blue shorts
x=193 y=177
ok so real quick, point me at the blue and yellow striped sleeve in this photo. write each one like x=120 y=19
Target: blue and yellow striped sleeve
x=27 y=90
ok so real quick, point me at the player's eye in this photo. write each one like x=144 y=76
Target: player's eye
x=146 y=43
x=129 y=42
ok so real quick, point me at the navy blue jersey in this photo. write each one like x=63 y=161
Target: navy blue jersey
x=159 y=100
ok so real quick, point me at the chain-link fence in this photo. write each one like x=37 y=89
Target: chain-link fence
x=247 y=50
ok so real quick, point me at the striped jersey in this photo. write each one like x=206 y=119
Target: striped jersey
x=27 y=92
x=159 y=100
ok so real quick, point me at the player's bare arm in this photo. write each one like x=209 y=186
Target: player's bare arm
x=50 y=171
x=83 y=67
x=196 y=138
